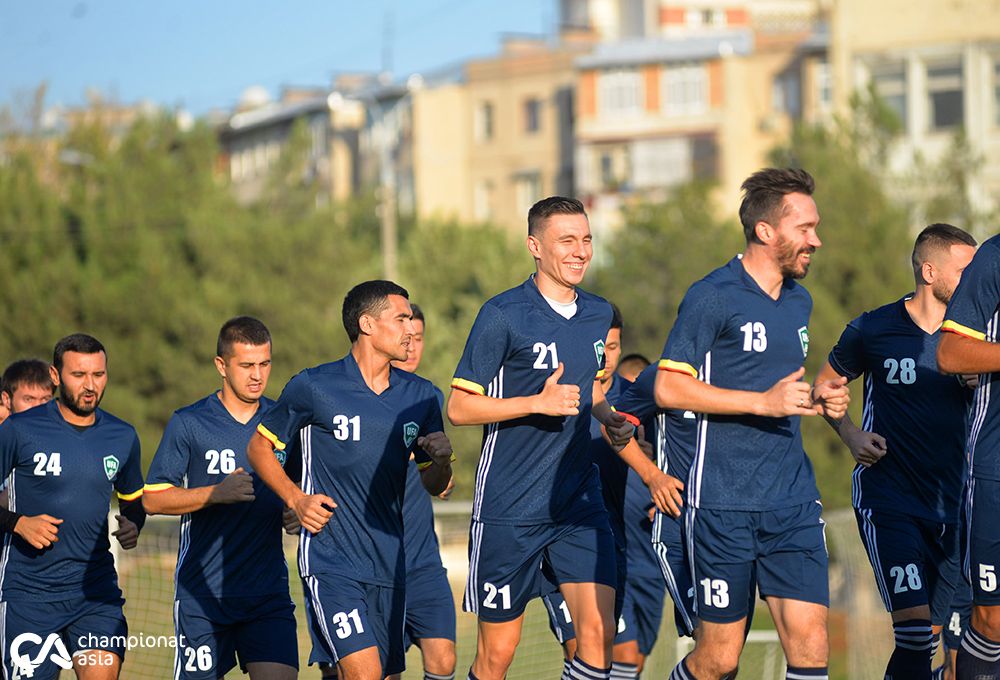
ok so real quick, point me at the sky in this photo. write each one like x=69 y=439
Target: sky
x=201 y=55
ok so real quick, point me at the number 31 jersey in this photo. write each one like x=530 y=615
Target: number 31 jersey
x=535 y=469
x=225 y=550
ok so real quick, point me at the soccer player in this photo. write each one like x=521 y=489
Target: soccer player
x=26 y=383
x=231 y=597
x=357 y=419
x=910 y=449
x=430 y=606
x=968 y=346
x=528 y=376
x=734 y=356
x=57 y=575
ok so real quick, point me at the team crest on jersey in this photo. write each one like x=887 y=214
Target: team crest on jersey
x=804 y=340
x=281 y=455
x=599 y=351
x=410 y=431
x=110 y=467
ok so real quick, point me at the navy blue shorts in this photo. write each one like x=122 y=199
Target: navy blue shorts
x=982 y=541
x=430 y=606
x=915 y=560
x=672 y=557
x=215 y=633
x=505 y=562
x=79 y=625
x=958 y=616
x=347 y=616
x=561 y=622
x=785 y=549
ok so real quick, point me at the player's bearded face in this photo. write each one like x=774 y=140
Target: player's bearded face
x=82 y=381
x=792 y=258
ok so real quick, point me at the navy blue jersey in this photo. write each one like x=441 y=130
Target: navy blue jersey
x=731 y=334
x=920 y=412
x=642 y=562
x=54 y=469
x=224 y=550
x=355 y=448
x=419 y=540
x=974 y=312
x=612 y=469
x=674 y=430
x=536 y=469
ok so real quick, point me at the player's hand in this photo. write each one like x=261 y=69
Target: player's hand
x=831 y=398
x=237 y=487
x=39 y=531
x=290 y=521
x=556 y=399
x=618 y=430
x=437 y=446
x=446 y=494
x=127 y=533
x=790 y=396
x=665 y=491
x=314 y=511
x=970 y=380
x=866 y=447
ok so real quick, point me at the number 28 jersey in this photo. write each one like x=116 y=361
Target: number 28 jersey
x=731 y=334
x=535 y=469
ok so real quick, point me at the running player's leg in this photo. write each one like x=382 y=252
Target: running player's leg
x=266 y=641
x=626 y=659
x=96 y=640
x=956 y=621
x=206 y=645
x=587 y=580
x=504 y=568
x=430 y=620
x=560 y=621
x=792 y=569
x=979 y=655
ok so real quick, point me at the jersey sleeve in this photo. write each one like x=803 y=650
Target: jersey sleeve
x=848 y=356
x=700 y=320
x=433 y=423
x=172 y=457
x=292 y=411
x=976 y=298
x=637 y=400
x=128 y=483
x=485 y=351
x=8 y=448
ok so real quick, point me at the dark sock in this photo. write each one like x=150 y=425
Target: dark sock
x=978 y=657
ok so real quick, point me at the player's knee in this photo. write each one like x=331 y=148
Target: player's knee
x=986 y=620
x=441 y=662
x=595 y=633
x=498 y=655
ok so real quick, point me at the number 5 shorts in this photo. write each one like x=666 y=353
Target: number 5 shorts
x=505 y=562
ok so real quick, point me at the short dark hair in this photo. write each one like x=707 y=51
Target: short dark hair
x=242 y=330
x=26 y=372
x=938 y=236
x=629 y=359
x=763 y=193
x=78 y=342
x=370 y=297
x=616 y=317
x=418 y=314
x=553 y=205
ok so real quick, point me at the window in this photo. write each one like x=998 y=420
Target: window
x=890 y=85
x=615 y=168
x=619 y=92
x=527 y=190
x=685 y=90
x=824 y=86
x=786 y=94
x=482 y=200
x=532 y=115
x=484 y=122
x=944 y=92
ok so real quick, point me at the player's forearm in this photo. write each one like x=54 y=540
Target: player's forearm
x=960 y=354
x=637 y=460
x=176 y=500
x=844 y=427
x=687 y=393
x=435 y=478
x=260 y=453
x=465 y=408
